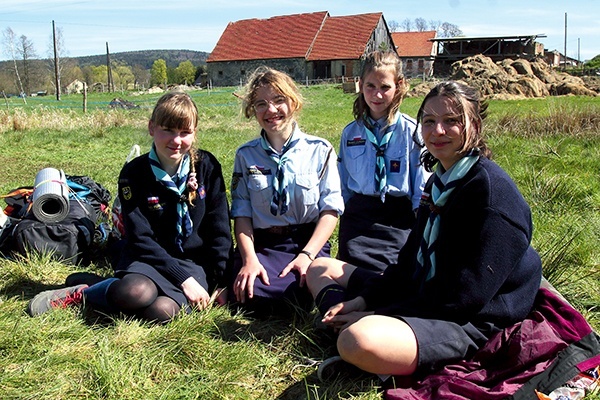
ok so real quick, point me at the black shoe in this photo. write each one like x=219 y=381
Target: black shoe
x=334 y=368
x=83 y=278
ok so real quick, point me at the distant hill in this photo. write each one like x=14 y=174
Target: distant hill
x=145 y=58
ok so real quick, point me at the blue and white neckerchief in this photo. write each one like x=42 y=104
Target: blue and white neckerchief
x=177 y=184
x=439 y=195
x=281 y=199
x=380 y=146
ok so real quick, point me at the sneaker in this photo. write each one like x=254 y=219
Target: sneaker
x=83 y=278
x=334 y=368
x=59 y=298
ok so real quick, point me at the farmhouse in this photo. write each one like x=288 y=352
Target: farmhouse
x=310 y=46
x=417 y=52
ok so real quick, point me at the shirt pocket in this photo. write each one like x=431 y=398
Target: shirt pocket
x=259 y=187
x=308 y=188
x=354 y=160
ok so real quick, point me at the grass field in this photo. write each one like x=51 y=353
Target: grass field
x=550 y=147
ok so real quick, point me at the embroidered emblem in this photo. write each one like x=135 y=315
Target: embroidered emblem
x=154 y=203
x=126 y=192
x=395 y=166
x=202 y=192
x=235 y=180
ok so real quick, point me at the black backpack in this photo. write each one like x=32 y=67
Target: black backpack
x=69 y=240
x=82 y=234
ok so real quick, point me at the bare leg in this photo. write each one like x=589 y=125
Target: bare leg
x=380 y=345
x=325 y=271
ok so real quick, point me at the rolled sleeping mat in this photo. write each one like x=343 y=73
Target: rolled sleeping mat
x=50 y=198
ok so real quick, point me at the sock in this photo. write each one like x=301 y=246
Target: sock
x=95 y=295
x=329 y=296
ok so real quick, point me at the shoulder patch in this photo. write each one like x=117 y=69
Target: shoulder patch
x=126 y=192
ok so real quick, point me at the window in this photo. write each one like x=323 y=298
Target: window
x=343 y=69
x=409 y=65
x=220 y=73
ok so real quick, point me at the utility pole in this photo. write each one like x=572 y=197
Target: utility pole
x=565 y=54
x=56 y=69
x=111 y=85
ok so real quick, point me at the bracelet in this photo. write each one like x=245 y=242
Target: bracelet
x=308 y=254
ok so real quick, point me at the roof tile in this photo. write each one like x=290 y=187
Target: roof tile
x=414 y=44
x=287 y=36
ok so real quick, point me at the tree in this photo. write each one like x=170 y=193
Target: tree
x=420 y=24
x=9 y=43
x=185 y=73
x=393 y=26
x=449 y=30
x=594 y=63
x=56 y=52
x=158 y=72
x=27 y=54
x=123 y=76
x=141 y=76
x=406 y=25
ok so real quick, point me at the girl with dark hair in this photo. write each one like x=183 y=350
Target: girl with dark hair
x=467 y=271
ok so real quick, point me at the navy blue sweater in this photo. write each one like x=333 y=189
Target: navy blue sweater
x=150 y=218
x=486 y=271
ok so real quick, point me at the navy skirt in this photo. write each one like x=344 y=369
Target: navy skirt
x=165 y=286
x=372 y=233
x=276 y=248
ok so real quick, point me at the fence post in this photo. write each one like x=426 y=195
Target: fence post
x=84 y=97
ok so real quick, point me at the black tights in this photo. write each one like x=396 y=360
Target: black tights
x=137 y=294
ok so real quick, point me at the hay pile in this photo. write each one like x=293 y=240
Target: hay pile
x=510 y=79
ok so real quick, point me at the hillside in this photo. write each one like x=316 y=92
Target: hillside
x=145 y=58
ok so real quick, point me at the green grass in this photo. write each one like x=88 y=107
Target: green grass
x=550 y=147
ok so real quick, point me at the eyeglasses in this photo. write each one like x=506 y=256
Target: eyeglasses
x=263 y=105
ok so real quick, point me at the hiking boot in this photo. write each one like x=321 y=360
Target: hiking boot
x=334 y=368
x=83 y=278
x=59 y=298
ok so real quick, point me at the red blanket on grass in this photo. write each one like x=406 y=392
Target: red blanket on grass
x=542 y=353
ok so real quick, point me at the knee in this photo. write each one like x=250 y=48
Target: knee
x=133 y=292
x=319 y=269
x=356 y=341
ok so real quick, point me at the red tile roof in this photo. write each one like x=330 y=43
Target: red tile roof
x=287 y=36
x=344 y=37
x=413 y=44
x=313 y=36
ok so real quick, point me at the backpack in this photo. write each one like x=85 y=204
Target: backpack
x=81 y=234
x=69 y=240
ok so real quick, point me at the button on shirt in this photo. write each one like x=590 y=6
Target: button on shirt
x=311 y=173
x=405 y=174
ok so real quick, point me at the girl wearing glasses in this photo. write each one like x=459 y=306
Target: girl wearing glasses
x=286 y=199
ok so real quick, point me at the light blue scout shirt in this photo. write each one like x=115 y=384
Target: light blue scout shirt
x=313 y=183
x=405 y=174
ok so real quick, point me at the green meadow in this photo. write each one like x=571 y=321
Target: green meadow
x=550 y=147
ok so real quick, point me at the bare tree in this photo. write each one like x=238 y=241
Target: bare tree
x=27 y=52
x=9 y=45
x=420 y=24
x=406 y=25
x=434 y=25
x=449 y=30
x=56 y=51
x=393 y=26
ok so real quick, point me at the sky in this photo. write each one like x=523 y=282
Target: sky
x=128 y=25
